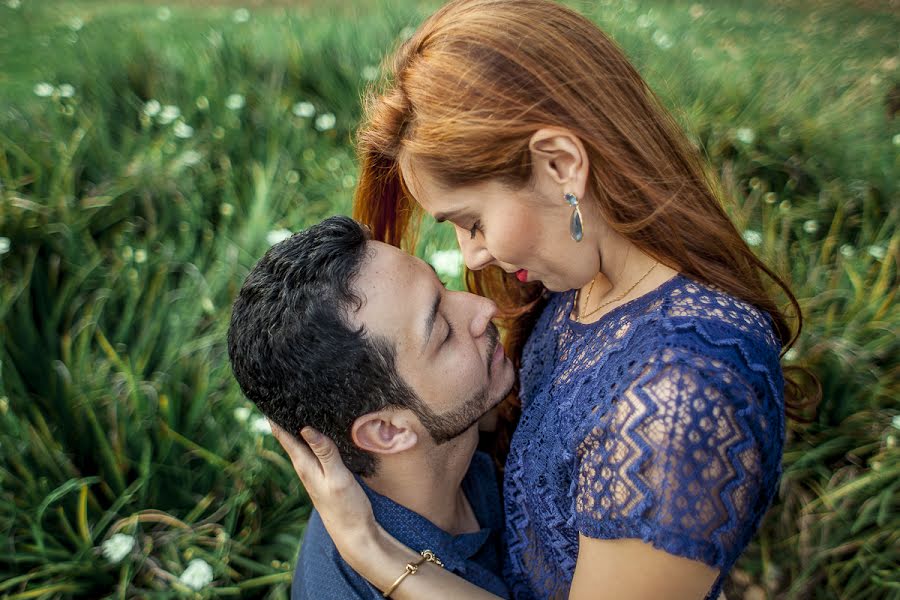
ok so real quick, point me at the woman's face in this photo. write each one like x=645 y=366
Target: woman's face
x=523 y=231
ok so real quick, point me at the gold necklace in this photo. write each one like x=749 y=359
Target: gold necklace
x=581 y=318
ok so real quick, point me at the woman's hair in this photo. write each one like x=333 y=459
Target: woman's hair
x=465 y=94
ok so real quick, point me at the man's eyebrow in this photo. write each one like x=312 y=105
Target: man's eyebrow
x=430 y=319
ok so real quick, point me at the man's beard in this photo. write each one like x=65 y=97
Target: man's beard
x=444 y=428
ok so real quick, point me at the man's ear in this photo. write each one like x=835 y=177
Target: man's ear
x=384 y=432
x=559 y=156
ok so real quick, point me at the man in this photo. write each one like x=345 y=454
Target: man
x=362 y=342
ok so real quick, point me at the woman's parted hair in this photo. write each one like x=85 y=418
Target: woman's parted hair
x=463 y=97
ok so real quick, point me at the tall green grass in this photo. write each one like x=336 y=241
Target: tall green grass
x=128 y=238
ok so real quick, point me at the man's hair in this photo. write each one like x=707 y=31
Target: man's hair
x=292 y=348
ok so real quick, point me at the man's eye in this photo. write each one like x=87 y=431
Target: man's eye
x=476 y=227
x=449 y=332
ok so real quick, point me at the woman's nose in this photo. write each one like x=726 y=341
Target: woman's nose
x=474 y=252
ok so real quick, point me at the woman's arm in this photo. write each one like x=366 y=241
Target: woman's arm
x=347 y=515
x=630 y=569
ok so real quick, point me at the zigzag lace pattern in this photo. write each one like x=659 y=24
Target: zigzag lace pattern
x=663 y=422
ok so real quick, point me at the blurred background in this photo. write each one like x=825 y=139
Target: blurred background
x=150 y=152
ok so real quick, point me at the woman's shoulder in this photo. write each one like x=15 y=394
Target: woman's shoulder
x=694 y=306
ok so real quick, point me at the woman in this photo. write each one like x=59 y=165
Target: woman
x=652 y=399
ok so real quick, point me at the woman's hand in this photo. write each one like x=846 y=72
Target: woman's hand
x=347 y=514
x=341 y=502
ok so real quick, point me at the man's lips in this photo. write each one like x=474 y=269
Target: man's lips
x=498 y=352
x=495 y=348
x=522 y=275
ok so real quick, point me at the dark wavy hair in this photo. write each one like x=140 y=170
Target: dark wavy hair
x=292 y=349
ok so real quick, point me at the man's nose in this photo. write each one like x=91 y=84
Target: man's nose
x=474 y=252
x=485 y=310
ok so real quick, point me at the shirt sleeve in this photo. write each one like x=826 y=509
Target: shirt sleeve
x=677 y=460
x=321 y=573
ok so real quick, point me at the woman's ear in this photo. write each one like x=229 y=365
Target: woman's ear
x=384 y=432
x=559 y=156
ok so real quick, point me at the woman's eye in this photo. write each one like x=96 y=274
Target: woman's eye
x=476 y=227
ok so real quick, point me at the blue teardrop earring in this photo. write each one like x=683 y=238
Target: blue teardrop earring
x=576 y=227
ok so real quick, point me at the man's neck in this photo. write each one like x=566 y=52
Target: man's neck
x=430 y=485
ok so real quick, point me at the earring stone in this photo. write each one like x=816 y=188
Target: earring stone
x=576 y=227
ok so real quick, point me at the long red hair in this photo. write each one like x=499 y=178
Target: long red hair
x=463 y=97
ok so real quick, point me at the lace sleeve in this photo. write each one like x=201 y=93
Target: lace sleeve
x=678 y=460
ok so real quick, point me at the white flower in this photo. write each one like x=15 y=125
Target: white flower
x=896 y=421
x=662 y=39
x=140 y=255
x=644 y=21
x=370 y=73
x=447 y=263
x=44 y=89
x=241 y=15
x=791 y=354
x=75 y=24
x=848 y=251
x=235 y=102
x=202 y=103
x=117 y=547
x=183 y=130
x=770 y=197
x=207 y=305
x=325 y=121
x=279 y=235
x=169 y=113
x=14 y=4
x=897 y=140
x=241 y=414
x=810 y=226
x=753 y=238
x=163 y=13
x=66 y=90
x=304 y=109
x=261 y=425
x=151 y=108
x=4 y=245
x=745 y=135
x=697 y=11
x=191 y=158
x=197 y=575
x=877 y=252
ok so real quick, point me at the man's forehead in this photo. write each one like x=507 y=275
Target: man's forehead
x=390 y=260
x=392 y=285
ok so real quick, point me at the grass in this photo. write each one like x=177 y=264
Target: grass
x=127 y=239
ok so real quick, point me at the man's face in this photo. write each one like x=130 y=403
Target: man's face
x=448 y=351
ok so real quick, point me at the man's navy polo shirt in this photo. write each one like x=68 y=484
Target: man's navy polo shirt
x=322 y=574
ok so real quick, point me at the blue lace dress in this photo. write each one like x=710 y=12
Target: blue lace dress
x=663 y=421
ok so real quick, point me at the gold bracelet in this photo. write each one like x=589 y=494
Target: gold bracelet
x=412 y=568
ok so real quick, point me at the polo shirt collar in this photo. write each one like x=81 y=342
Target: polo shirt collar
x=417 y=532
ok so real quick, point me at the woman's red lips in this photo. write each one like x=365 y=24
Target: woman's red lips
x=522 y=275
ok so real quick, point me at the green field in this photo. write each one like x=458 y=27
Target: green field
x=149 y=153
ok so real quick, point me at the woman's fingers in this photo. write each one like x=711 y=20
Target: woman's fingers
x=305 y=462
x=326 y=451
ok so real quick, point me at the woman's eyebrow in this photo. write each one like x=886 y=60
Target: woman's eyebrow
x=441 y=217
